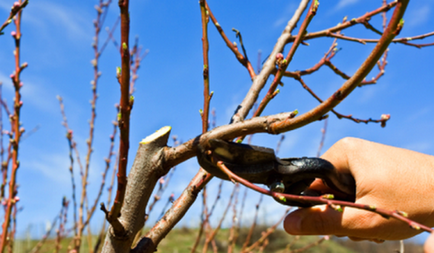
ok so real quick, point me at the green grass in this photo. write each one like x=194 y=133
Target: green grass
x=181 y=240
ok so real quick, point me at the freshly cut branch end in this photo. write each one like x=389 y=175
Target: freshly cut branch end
x=162 y=131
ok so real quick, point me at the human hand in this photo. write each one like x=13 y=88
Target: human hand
x=387 y=177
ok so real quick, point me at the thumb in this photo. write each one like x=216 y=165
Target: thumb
x=317 y=220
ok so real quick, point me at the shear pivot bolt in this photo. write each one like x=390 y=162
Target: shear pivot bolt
x=277 y=187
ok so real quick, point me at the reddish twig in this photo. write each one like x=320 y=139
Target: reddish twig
x=323 y=134
x=258 y=63
x=391 y=31
x=234 y=230
x=283 y=63
x=232 y=46
x=109 y=199
x=82 y=222
x=327 y=200
x=136 y=59
x=360 y=20
x=174 y=214
x=125 y=106
x=44 y=238
x=404 y=41
x=289 y=245
x=169 y=200
x=205 y=48
x=206 y=215
x=60 y=232
x=311 y=245
x=382 y=121
x=104 y=174
x=266 y=233
x=279 y=143
x=216 y=230
x=252 y=227
x=243 y=201
x=326 y=59
x=72 y=146
x=16 y=8
x=4 y=166
x=110 y=35
x=268 y=67
x=15 y=120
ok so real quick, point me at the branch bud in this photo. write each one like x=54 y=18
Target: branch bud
x=402 y=213
x=281 y=198
x=399 y=26
x=414 y=226
x=24 y=65
x=315 y=6
x=328 y=196
x=384 y=118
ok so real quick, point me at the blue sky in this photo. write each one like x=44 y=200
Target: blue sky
x=56 y=43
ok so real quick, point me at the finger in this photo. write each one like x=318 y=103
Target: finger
x=317 y=220
x=324 y=220
x=356 y=239
x=319 y=187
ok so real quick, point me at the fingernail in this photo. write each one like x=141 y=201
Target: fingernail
x=292 y=223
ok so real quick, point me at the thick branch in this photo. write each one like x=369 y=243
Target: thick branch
x=149 y=243
x=145 y=172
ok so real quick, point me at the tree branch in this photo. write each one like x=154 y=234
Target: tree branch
x=268 y=67
x=125 y=106
x=145 y=172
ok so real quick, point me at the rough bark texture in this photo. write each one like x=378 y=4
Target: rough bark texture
x=147 y=169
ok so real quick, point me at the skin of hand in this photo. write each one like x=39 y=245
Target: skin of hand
x=387 y=177
x=429 y=244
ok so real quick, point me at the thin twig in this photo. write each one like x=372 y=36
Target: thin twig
x=242 y=59
x=266 y=233
x=125 y=106
x=216 y=230
x=269 y=65
x=323 y=135
x=349 y=23
x=311 y=245
x=15 y=120
x=205 y=72
x=328 y=200
x=72 y=146
x=234 y=231
x=16 y=8
x=252 y=227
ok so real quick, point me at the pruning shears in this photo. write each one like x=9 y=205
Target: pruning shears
x=260 y=165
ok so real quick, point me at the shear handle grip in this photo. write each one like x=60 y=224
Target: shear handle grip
x=303 y=168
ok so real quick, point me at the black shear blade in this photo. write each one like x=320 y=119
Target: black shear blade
x=260 y=165
x=241 y=153
x=256 y=164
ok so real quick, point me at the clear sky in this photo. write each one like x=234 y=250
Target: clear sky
x=56 y=42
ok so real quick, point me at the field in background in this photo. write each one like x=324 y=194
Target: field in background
x=181 y=240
